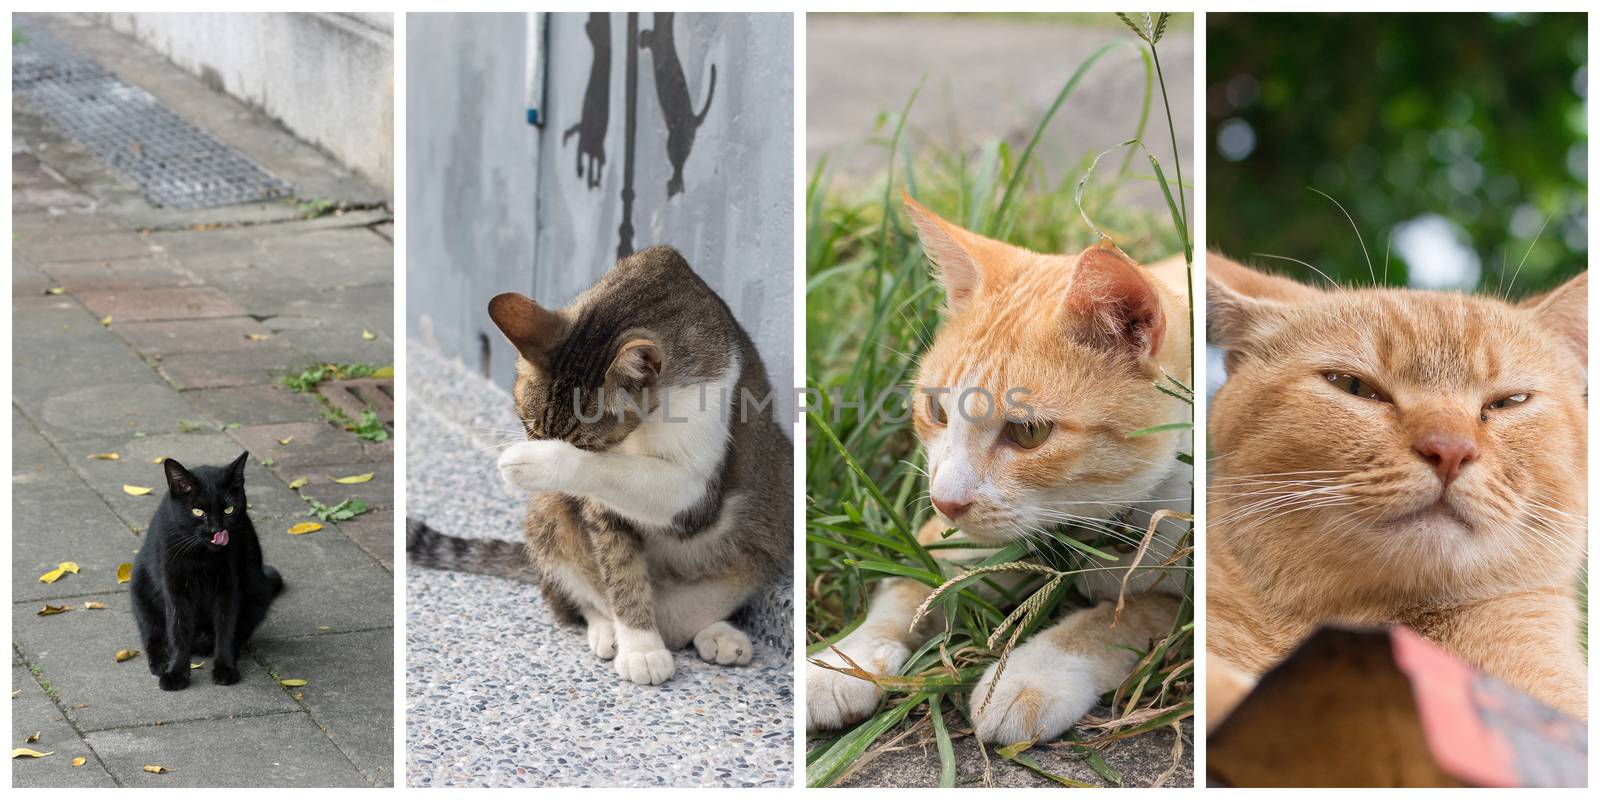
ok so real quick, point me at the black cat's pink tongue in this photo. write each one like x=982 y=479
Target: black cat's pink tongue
x=220 y=537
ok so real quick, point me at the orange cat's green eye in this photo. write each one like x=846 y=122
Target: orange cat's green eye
x=1028 y=435
x=936 y=410
x=1354 y=384
x=1513 y=400
x=197 y=512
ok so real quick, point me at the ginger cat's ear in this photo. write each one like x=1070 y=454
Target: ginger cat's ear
x=1249 y=282
x=949 y=249
x=1117 y=302
x=1565 y=310
x=1233 y=320
x=529 y=327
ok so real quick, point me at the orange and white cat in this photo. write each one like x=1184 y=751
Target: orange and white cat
x=1388 y=456
x=1086 y=338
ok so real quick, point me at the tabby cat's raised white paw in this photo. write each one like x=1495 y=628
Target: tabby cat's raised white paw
x=538 y=466
x=603 y=639
x=833 y=699
x=722 y=643
x=1041 y=694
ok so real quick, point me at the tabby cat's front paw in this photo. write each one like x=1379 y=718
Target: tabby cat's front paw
x=1041 y=694
x=641 y=656
x=722 y=643
x=603 y=639
x=648 y=667
x=538 y=466
x=834 y=699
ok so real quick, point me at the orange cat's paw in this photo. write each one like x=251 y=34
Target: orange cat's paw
x=834 y=699
x=1041 y=694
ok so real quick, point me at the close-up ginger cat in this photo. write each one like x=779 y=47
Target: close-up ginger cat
x=1390 y=456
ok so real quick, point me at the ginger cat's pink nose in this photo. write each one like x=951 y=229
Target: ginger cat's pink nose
x=1447 y=452
x=950 y=510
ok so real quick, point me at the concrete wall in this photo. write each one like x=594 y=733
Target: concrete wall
x=729 y=209
x=328 y=78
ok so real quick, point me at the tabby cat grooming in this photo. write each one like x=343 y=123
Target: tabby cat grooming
x=1390 y=456
x=660 y=485
x=1086 y=337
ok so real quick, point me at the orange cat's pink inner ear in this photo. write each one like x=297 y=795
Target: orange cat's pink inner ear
x=947 y=249
x=529 y=327
x=1565 y=310
x=1111 y=298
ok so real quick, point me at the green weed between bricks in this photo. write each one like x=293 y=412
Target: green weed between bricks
x=871 y=307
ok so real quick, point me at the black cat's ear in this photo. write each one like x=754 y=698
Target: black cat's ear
x=236 y=469
x=181 y=481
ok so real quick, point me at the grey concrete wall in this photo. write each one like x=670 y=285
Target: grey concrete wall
x=470 y=181
x=328 y=78
x=732 y=216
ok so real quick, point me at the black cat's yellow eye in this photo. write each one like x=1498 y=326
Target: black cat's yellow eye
x=1511 y=400
x=1028 y=435
x=197 y=512
x=228 y=510
x=1356 y=385
x=936 y=410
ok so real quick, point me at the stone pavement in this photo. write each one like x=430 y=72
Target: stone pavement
x=148 y=332
x=499 y=694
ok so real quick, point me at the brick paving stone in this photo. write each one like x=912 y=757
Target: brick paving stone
x=220 y=335
x=119 y=275
x=373 y=533
x=340 y=693
x=320 y=485
x=86 y=247
x=255 y=405
x=241 y=367
x=133 y=305
x=276 y=750
x=310 y=444
x=32 y=712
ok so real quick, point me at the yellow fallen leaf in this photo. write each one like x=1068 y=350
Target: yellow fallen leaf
x=196 y=664
x=50 y=610
x=368 y=335
x=23 y=752
x=298 y=482
x=54 y=290
x=158 y=459
x=156 y=768
x=107 y=456
x=94 y=604
x=15 y=693
x=286 y=440
x=79 y=761
x=136 y=491
x=348 y=479
x=61 y=569
x=106 y=321
x=258 y=337
x=383 y=372
x=293 y=682
x=33 y=738
x=124 y=655
x=124 y=573
x=305 y=527
x=324 y=627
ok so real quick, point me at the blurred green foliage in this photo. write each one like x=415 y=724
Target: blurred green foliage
x=1476 y=118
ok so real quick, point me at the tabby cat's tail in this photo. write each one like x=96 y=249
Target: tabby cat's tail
x=430 y=548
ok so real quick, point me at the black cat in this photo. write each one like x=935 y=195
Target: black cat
x=198 y=582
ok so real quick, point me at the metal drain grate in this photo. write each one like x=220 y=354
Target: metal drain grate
x=175 y=164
